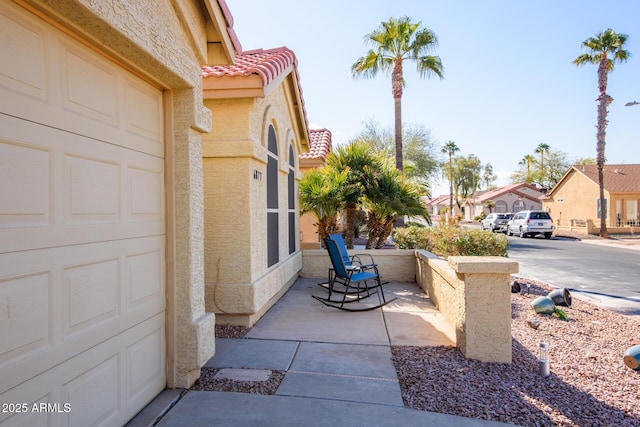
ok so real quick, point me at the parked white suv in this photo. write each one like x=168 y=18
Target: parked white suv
x=525 y=223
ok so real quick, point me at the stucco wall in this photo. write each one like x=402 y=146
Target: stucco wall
x=578 y=195
x=393 y=265
x=239 y=283
x=474 y=295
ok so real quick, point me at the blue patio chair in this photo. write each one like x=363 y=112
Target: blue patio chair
x=358 y=284
x=353 y=260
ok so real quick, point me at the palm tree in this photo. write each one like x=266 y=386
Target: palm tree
x=387 y=195
x=541 y=149
x=450 y=148
x=605 y=49
x=394 y=41
x=322 y=193
x=527 y=161
x=353 y=158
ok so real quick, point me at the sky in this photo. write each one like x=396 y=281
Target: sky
x=509 y=81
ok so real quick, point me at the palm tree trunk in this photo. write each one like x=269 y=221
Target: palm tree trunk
x=604 y=101
x=350 y=220
x=450 y=185
x=396 y=87
x=385 y=233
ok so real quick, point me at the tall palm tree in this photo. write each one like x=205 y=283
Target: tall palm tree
x=541 y=149
x=353 y=158
x=450 y=148
x=605 y=49
x=527 y=161
x=394 y=41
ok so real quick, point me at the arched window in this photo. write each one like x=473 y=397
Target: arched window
x=273 y=248
x=291 y=190
x=501 y=206
x=518 y=205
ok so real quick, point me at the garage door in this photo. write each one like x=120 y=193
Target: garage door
x=82 y=242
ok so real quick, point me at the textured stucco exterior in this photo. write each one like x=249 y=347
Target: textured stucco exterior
x=573 y=198
x=474 y=295
x=393 y=265
x=166 y=42
x=239 y=284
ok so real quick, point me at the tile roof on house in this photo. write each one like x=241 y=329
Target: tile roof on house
x=617 y=178
x=513 y=188
x=319 y=144
x=440 y=200
x=268 y=65
x=230 y=31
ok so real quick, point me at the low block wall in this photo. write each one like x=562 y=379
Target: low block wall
x=397 y=265
x=474 y=296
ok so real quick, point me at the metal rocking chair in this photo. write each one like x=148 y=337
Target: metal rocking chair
x=358 y=284
x=351 y=262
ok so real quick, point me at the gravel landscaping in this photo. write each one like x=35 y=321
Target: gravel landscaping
x=589 y=383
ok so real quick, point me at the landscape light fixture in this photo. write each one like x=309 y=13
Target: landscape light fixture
x=631 y=104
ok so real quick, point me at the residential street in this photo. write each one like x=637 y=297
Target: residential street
x=606 y=274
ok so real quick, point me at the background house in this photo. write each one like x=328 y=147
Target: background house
x=320 y=147
x=574 y=201
x=510 y=198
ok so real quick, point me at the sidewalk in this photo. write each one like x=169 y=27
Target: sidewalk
x=338 y=367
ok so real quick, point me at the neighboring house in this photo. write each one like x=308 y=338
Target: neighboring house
x=251 y=175
x=510 y=198
x=440 y=203
x=320 y=147
x=575 y=200
x=103 y=131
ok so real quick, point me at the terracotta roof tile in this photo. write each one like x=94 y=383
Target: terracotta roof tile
x=319 y=144
x=512 y=188
x=229 y=18
x=617 y=178
x=268 y=64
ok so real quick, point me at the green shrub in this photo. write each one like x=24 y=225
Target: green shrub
x=447 y=241
x=412 y=237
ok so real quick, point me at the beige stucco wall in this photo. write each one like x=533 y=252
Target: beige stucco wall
x=239 y=285
x=474 y=295
x=393 y=265
x=578 y=195
x=165 y=42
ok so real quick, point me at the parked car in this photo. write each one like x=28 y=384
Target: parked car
x=530 y=223
x=495 y=222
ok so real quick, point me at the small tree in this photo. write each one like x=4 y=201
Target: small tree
x=323 y=193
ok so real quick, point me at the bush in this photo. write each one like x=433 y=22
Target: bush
x=447 y=241
x=412 y=237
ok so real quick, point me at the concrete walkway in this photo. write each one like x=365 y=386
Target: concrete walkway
x=338 y=365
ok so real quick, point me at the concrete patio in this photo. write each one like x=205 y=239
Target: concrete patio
x=338 y=366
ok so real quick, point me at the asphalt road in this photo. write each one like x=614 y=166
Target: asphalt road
x=608 y=276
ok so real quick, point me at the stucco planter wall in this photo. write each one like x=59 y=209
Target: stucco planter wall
x=393 y=265
x=474 y=295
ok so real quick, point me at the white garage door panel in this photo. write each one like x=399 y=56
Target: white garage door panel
x=103 y=385
x=82 y=229
x=61 y=301
x=55 y=80
x=61 y=189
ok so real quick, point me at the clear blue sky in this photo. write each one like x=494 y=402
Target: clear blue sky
x=509 y=82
